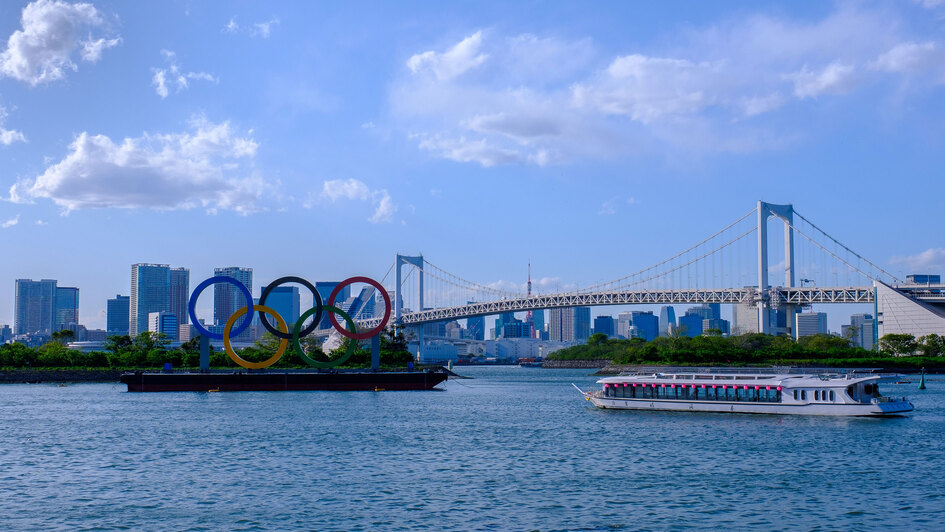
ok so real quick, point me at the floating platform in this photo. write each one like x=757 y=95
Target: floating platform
x=285 y=380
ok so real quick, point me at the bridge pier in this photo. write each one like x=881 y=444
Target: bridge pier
x=399 y=261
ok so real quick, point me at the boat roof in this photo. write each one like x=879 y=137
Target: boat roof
x=838 y=379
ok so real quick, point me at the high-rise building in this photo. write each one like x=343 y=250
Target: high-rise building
x=623 y=324
x=476 y=327
x=180 y=294
x=150 y=292
x=744 y=319
x=717 y=324
x=227 y=299
x=667 y=320
x=604 y=325
x=164 y=322
x=35 y=306
x=582 y=324
x=561 y=325
x=116 y=315
x=860 y=331
x=538 y=323
x=324 y=289
x=285 y=300
x=646 y=324
x=690 y=325
x=67 y=307
x=6 y=334
x=810 y=323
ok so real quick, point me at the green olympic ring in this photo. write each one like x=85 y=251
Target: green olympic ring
x=297 y=344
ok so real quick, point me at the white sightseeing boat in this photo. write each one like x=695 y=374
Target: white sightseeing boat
x=823 y=395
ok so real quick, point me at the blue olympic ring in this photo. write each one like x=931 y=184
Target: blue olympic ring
x=200 y=288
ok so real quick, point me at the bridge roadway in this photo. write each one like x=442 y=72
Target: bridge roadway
x=748 y=295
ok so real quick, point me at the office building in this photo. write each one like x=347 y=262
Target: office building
x=227 y=299
x=667 y=320
x=646 y=323
x=150 y=292
x=718 y=324
x=561 y=325
x=810 y=323
x=690 y=325
x=180 y=294
x=34 y=307
x=744 y=319
x=6 y=334
x=67 y=307
x=861 y=331
x=116 y=315
x=623 y=324
x=476 y=327
x=285 y=300
x=324 y=289
x=604 y=325
x=582 y=324
x=538 y=323
x=164 y=322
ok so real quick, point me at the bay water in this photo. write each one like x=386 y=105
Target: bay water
x=511 y=449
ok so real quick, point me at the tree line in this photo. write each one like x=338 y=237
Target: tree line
x=151 y=350
x=900 y=350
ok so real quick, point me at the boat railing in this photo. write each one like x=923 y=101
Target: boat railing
x=876 y=400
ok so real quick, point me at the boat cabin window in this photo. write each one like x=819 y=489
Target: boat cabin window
x=795 y=395
x=803 y=395
x=816 y=395
x=833 y=397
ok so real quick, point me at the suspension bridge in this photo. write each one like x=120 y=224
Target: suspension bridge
x=730 y=266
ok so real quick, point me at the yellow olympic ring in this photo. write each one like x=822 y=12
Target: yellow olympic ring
x=283 y=344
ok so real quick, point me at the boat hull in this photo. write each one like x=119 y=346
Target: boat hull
x=271 y=381
x=890 y=408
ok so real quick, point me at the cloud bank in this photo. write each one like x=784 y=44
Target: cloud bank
x=352 y=189
x=206 y=166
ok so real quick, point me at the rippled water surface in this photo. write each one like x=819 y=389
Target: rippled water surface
x=513 y=448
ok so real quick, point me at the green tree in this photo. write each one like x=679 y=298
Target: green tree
x=932 y=345
x=63 y=336
x=596 y=339
x=898 y=344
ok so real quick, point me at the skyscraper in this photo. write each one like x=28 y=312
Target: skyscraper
x=285 y=301
x=690 y=324
x=582 y=324
x=227 y=299
x=164 y=322
x=860 y=331
x=538 y=324
x=604 y=325
x=67 y=307
x=35 y=306
x=561 y=325
x=476 y=327
x=623 y=324
x=667 y=320
x=810 y=323
x=646 y=324
x=116 y=315
x=180 y=294
x=150 y=292
x=324 y=289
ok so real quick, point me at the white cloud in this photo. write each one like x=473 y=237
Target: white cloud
x=491 y=100
x=172 y=75
x=263 y=29
x=835 y=78
x=608 y=208
x=42 y=222
x=449 y=64
x=910 y=57
x=206 y=166
x=8 y=136
x=11 y=222
x=231 y=26
x=51 y=32
x=930 y=4
x=352 y=189
x=930 y=259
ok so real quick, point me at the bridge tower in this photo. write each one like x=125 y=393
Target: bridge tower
x=416 y=261
x=765 y=305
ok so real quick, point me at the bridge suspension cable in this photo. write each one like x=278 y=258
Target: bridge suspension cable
x=469 y=284
x=616 y=283
x=848 y=250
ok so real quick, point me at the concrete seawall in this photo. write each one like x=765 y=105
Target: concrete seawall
x=575 y=364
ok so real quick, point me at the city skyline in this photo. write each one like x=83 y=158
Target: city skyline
x=437 y=128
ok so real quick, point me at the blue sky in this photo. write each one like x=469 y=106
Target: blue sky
x=321 y=139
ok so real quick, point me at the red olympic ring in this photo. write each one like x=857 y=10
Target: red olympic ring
x=366 y=334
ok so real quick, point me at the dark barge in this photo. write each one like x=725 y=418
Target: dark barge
x=284 y=380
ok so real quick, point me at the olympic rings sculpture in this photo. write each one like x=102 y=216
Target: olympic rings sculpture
x=282 y=332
